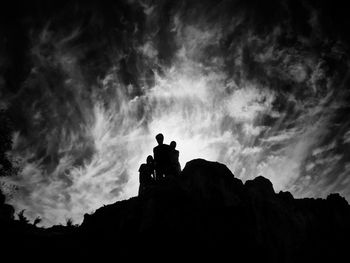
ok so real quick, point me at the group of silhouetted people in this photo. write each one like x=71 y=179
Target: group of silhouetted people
x=164 y=165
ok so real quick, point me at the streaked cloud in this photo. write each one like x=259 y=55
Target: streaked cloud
x=224 y=85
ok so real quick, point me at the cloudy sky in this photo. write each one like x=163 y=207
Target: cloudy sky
x=261 y=86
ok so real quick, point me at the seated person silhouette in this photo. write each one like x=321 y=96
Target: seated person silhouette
x=174 y=160
x=146 y=178
x=161 y=158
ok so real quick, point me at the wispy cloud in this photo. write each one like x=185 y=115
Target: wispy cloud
x=224 y=88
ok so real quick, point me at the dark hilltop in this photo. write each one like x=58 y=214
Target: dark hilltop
x=203 y=213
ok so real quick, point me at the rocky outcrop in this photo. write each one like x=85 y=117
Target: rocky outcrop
x=211 y=182
x=207 y=212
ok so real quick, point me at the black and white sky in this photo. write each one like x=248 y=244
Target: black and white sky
x=261 y=86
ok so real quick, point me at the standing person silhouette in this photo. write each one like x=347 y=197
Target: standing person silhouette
x=146 y=171
x=174 y=160
x=161 y=155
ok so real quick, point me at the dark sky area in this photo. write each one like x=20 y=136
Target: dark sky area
x=261 y=86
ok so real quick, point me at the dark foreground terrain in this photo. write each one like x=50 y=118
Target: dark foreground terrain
x=206 y=213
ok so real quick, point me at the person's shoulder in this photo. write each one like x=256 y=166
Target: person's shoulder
x=142 y=167
x=156 y=148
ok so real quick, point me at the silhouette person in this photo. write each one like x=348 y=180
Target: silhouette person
x=174 y=160
x=146 y=171
x=161 y=158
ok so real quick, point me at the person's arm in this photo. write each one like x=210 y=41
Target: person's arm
x=140 y=174
x=152 y=171
x=155 y=156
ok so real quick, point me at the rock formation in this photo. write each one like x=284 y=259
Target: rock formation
x=204 y=213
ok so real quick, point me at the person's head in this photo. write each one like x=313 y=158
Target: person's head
x=149 y=159
x=173 y=145
x=160 y=138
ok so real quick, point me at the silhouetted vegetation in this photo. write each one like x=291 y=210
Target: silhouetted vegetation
x=70 y=223
x=22 y=218
x=37 y=220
